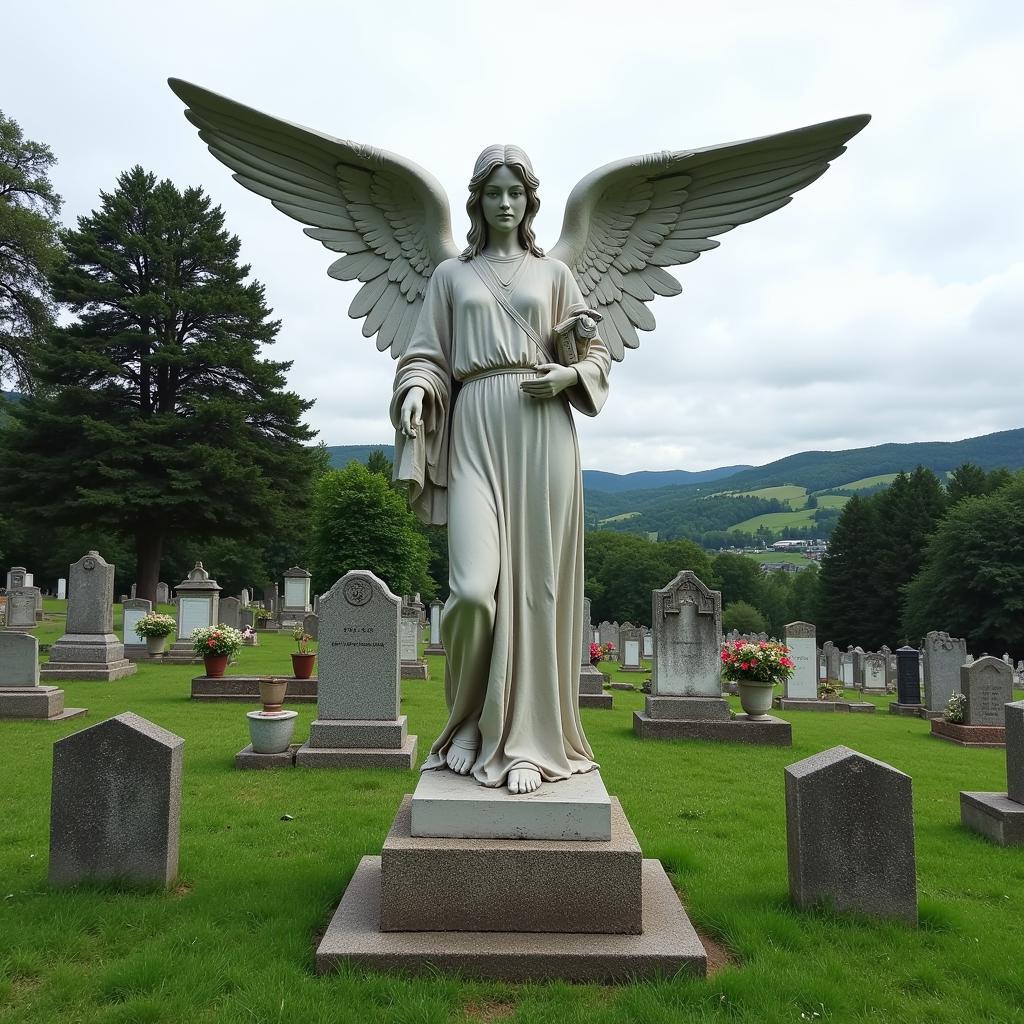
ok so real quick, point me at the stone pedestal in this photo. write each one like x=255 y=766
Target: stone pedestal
x=707 y=718
x=592 y=693
x=512 y=908
x=907 y=710
x=852 y=706
x=993 y=815
x=358 y=743
x=247 y=688
x=42 y=702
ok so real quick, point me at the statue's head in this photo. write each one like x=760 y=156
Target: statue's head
x=502 y=173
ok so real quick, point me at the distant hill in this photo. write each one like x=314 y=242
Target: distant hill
x=342 y=454
x=645 y=480
x=14 y=396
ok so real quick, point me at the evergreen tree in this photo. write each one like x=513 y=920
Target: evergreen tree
x=738 y=578
x=360 y=522
x=29 y=249
x=157 y=417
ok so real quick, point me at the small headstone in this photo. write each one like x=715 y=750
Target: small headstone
x=311 y=625
x=908 y=678
x=17 y=577
x=244 y=597
x=229 y=610
x=62 y=589
x=21 y=609
x=832 y=663
x=246 y=617
x=163 y=593
x=133 y=590
x=297 y=583
x=857 y=656
x=803 y=683
x=116 y=804
x=1000 y=816
x=435 y=646
x=198 y=601
x=135 y=608
x=630 y=650
x=942 y=657
x=19 y=660
x=648 y=645
x=988 y=687
x=1015 y=751
x=21 y=695
x=874 y=673
x=413 y=667
x=608 y=633
x=850 y=835
x=846 y=669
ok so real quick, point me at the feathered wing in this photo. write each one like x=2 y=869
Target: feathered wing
x=388 y=215
x=628 y=220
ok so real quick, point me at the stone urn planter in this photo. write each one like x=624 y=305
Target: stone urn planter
x=215 y=664
x=271 y=731
x=272 y=691
x=302 y=665
x=155 y=645
x=756 y=698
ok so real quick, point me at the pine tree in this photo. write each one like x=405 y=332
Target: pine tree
x=157 y=416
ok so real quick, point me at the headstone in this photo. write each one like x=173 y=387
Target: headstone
x=857 y=655
x=17 y=577
x=908 y=680
x=803 y=683
x=89 y=649
x=1000 y=816
x=116 y=804
x=358 y=721
x=630 y=649
x=942 y=657
x=163 y=593
x=413 y=666
x=244 y=597
x=1014 y=724
x=311 y=625
x=246 y=617
x=687 y=619
x=316 y=604
x=21 y=609
x=135 y=608
x=832 y=665
x=435 y=646
x=591 y=684
x=21 y=695
x=228 y=611
x=874 y=673
x=850 y=835
x=988 y=687
x=133 y=590
x=62 y=589
x=297 y=583
x=608 y=632
x=198 y=604
x=846 y=669
x=648 y=645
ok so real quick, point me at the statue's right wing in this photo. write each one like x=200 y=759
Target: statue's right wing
x=386 y=213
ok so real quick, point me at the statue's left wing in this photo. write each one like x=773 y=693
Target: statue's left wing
x=628 y=220
x=387 y=214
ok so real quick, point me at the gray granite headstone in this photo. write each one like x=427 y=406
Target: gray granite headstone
x=229 y=610
x=116 y=803
x=163 y=593
x=19 y=659
x=687 y=619
x=359 y=667
x=608 y=632
x=942 y=658
x=311 y=625
x=1015 y=751
x=91 y=595
x=245 y=617
x=803 y=683
x=832 y=663
x=850 y=835
x=21 y=608
x=409 y=634
x=988 y=686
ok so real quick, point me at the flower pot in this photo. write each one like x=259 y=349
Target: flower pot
x=302 y=665
x=756 y=698
x=215 y=664
x=155 y=645
x=271 y=732
x=272 y=691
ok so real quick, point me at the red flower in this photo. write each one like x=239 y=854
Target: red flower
x=753 y=662
x=745 y=665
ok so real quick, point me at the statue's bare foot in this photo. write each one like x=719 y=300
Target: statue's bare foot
x=460 y=757
x=523 y=780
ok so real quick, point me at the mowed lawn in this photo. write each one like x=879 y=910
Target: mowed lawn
x=233 y=941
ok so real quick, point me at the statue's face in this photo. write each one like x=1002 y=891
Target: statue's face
x=503 y=202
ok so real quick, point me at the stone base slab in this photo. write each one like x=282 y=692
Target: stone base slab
x=687 y=709
x=969 y=735
x=248 y=758
x=335 y=734
x=993 y=815
x=668 y=944
x=99 y=649
x=41 y=703
x=446 y=805
x=929 y=715
x=415 y=670
x=596 y=700
x=510 y=885
x=909 y=710
x=803 y=704
x=89 y=671
x=322 y=757
x=246 y=688
x=768 y=731
x=433 y=650
x=622 y=668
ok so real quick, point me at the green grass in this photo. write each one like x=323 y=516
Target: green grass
x=868 y=481
x=233 y=942
x=619 y=518
x=832 y=500
x=775 y=521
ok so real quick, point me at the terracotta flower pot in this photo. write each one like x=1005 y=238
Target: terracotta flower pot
x=272 y=691
x=302 y=665
x=215 y=664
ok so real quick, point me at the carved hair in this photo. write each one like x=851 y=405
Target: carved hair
x=487 y=163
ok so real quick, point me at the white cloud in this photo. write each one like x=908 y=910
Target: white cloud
x=883 y=304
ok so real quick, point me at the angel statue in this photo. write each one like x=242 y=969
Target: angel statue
x=494 y=344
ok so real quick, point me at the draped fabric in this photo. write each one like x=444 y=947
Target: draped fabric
x=503 y=470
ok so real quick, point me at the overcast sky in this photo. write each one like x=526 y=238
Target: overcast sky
x=885 y=303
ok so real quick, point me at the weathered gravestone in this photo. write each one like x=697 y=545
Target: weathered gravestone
x=832 y=663
x=89 y=649
x=988 y=686
x=630 y=651
x=846 y=669
x=18 y=576
x=803 y=683
x=116 y=804
x=686 y=675
x=608 y=632
x=591 y=692
x=850 y=835
x=874 y=673
x=163 y=593
x=311 y=626
x=21 y=609
x=1000 y=816
x=648 y=644
x=134 y=609
x=857 y=654
x=229 y=610
x=943 y=656
x=358 y=722
x=243 y=598
x=21 y=696
x=413 y=666
x=62 y=589
x=435 y=646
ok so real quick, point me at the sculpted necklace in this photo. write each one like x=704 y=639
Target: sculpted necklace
x=493 y=262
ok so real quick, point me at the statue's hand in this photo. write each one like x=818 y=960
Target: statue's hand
x=555 y=380
x=412 y=411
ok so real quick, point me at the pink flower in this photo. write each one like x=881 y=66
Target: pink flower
x=745 y=665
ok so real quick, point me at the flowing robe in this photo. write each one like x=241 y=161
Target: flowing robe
x=503 y=470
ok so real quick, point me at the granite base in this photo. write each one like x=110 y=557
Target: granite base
x=88 y=671
x=429 y=649
x=38 y=703
x=802 y=704
x=415 y=670
x=768 y=731
x=667 y=946
x=993 y=815
x=367 y=757
x=247 y=758
x=969 y=735
x=246 y=688
x=908 y=710
x=596 y=700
